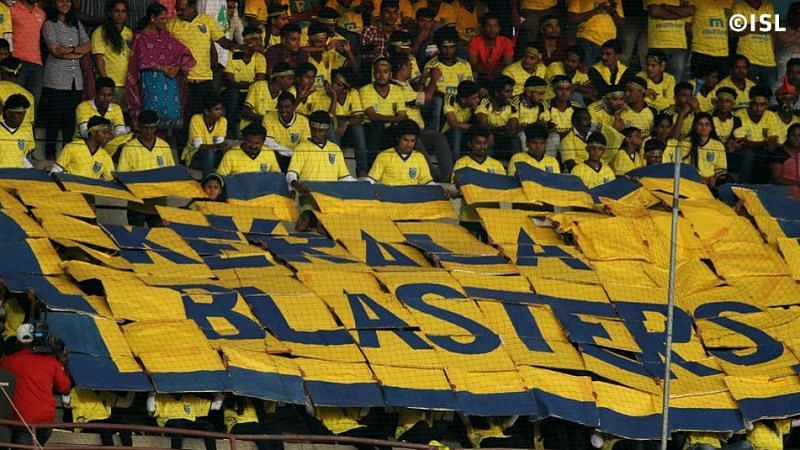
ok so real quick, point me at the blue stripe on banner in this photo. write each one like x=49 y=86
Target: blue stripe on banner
x=67 y=178
x=263 y=226
x=19 y=283
x=472 y=260
x=682 y=419
x=199 y=381
x=19 y=257
x=237 y=262
x=726 y=194
x=559 y=181
x=25 y=174
x=173 y=173
x=79 y=333
x=666 y=170
x=504 y=404
x=99 y=372
x=503 y=296
x=791 y=228
x=190 y=231
x=486 y=180
x=551 y=405
x=631 y=427
x=324 y=393
x=778 y=406
x=360 y=190
x=420 y=398
x=614 y=190
x=247 y=186
x=410 y=194
x=10 y=230
x=780 y=206
x=267 y=386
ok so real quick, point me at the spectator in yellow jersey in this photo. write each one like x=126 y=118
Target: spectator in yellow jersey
x=87 y=157
x=593 y=172
x=501 y=117
x=724 y=119
x=710 y=36
x=662 y=128
x=667 y=31
x=489 y=52
x=285 y=128
x=207 y=131
x=638 y=113
x=246 y=416
x=317 y=159
x=560 y=107
x=144 y=150
x=629 y=156
x=758 y=46
x=305 y=86
x=243 y=69
x=534 y=156
x=111 y=47
x=16 y=138
x=347 y=108
x=402 y=165
x=738 y=81
x=705 y=86
x=185 y=411
x=683 y=111
x=660 y=83
x=706 y=152
x=458 y=111
x=251 y=155
x=262 y=97
x=213 y=186
x=10 y=68
x=529 y=65
x=400 y=44
x=97 y=407
x=530 y=104
x=277 y=18
x=756 y=139
x=350 y=22
x=573 y=145
x=610 y=71
x=383 y=104
x=597 y=22
x=787 y=96
x=446 y=72
x=327 y=55
x=101 y=105
x=653 y=151
x=607 y=112
x=573 y=69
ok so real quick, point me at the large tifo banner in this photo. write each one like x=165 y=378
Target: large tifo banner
x=394 y=304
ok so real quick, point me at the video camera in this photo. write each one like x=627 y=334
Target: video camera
x=44 y=341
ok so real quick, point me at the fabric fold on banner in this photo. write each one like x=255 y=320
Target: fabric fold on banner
x=553 y=189
x=261 y=189
x=164 y=182
x=479 y=187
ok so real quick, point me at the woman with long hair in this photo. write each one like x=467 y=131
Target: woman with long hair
x=67 y=42
x=157 y=69
x=705 y=151
x=111 y=47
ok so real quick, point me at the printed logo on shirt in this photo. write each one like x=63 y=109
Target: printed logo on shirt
x=295 y=137
x=97 y=167
x=332 y=158
x=187 y=408
x=490 y=171
x=412 y=172
x=710 y=156
x=21 y=144
x=548 y=169
x=202 y=28
x=264 y=167
x=2 y=18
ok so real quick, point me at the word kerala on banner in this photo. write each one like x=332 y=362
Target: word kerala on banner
x=395 y=304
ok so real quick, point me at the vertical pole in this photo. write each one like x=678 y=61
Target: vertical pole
x=673 y=257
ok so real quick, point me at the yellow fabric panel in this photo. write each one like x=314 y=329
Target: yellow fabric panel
x=433 y=210
x=657 y=229
x=69 y=203
x=475 y=195
x=465 y=308
x=411 y=378
x=612 y=238
x=736 y=259
x=12 y=185
x=611 y=372
x=754 y=386
x=182 y=216
x=331 y=282
x=184 y=189
x=691 y=276
x=513 y=283
x=98 y=191
x=685 y=383
x=450 y=236
x=767 y=291
x=351 y=227
x=487 y=382
x=358 y=249
x=333 y=205
x=334 y=372
x=340 y=306
x=393 y=281
x=32 y=228
x=243 y=215
x=764 y=220
x=557 y=197
x=557 y=276
x=620 y=277
x=393 y=351
x=578 y=388
x=8 y=201
x=114 y=340
x=188 y=350
x=274 y=285
x=498 y=359
x=627 y=401
x=505 y=225
x=61 y=226
x=46 y=256
x=790 y=249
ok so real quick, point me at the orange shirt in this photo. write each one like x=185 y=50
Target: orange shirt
x=27 y=22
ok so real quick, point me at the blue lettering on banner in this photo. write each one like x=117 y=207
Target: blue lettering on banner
x=367 y=327
x=375 y=257
x=271 y=317
x=222 y=305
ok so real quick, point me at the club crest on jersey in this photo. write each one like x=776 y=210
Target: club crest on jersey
x=97 y=167
x=295 y=137
x=264 y=167
x=548 y=169
x=412 y=172
x=491 y=171
x=21 y=144
x=202 y=28
x=332 y=158
x=710 y=156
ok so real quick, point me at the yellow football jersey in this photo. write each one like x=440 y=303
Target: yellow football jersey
x=312 y=162
x=623 y=162
x=451 y=105
x=573 y=147
x=116 y=62
x=599 y=113
x=15 y=144
x=87 y=109
x=410 y=100
x=392 y=169
x=600 y=27
x=710 y=157
x=6 y=25
x=349 y=17
x=756 y=46
x=557 y=68
x=725 y=128
x=591 y=177
x=451 y=75
x=330 y=60
x=686 y=128
x=317 y=100
x=388 y=105
x=467 y=21
x=742 y=95
x=447 y=12
x=520 y=75
x=497 y=117
x=188 y=407
x=245 y=72
x=88 y=405
x=665 y=91
x=9 y=88
x=665 y=33
x=197 y=35
x=673 y=147
x=784 y=127
x=710 y=27
x=642 y=120
x=530 y=114
x=134 y=156
x=562 y=119
x=760 y=131
x=77 y=159
x=231 y=416
x=238 y=161
x=350 y=106
x=489 y=165
x=290 y=134
x=338 y=420
x=200 y=134
x=261 y=100
x=547 y=163
x=706 y=102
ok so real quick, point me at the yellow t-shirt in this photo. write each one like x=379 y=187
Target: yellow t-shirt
x=116 y=62
x=233 y=418
x=314 y=163
x=246 y=72
x=759 y=131
x=349 y=19
x=706 y=102
x=389 y=105
x=134 y=156
x=573 y=148
x=260 y=100
x=237 y=161
x=711 y=439
x=88 y=405
x=351 y=106
x=687 y=122
x=725 y=128
x=290 y=134
x=520 y=75
x=199 y=135
x=87 y=109
x=591 y=177
x=197 y=36
x=330 y=60
x=562 y=119
x=257 y=9
x=599 y=113
x=489 y=165
x=392 y=169
x=447 y=12
x=15 y=145
x=5 y=20
x=451 y=105
x=188 y=407
x=710 y=27
x=410 y=99
x=557 y=68
x=467 y=21
x=642 y=120
x=451 y=75
x=600 y=27
x=537 y=5
x=624 y=163
x=530 y=114
x=665 y=91
x=497 y=118
x=406 y=10
x=756 y=46
x=547 y=163
x=769 y=437
x=742 y=95
x=9 y=88
x=77 y=159
x=477 y=435
x=339 y=420
x=710 y=157
x=665 y=33
x=317 y=100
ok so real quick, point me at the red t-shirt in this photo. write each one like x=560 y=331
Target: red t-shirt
x=490 y=62
x=36 y=376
